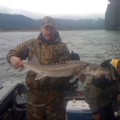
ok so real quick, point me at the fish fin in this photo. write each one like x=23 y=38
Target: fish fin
x=75 y=77
x=39 y=76
x=73 y=80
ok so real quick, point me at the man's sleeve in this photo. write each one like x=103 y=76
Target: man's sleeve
x=20 y=51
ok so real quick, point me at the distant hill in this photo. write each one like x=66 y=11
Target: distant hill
x=9 y=21
x=20 y=22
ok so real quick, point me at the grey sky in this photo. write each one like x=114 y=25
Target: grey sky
x=56 y=7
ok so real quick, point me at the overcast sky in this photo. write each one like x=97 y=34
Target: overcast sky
x=57 y=7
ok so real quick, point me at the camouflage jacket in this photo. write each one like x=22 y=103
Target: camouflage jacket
x=47 y=53
x=99 y=92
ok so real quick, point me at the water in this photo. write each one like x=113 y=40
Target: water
x=93 y=46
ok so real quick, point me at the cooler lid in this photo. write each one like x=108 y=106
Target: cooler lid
x=77 y=106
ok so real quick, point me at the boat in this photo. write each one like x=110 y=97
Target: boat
x=13 y=99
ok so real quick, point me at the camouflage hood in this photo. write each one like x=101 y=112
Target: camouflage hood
x=56 y=38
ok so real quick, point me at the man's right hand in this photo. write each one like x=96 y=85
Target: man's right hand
x=16 y=62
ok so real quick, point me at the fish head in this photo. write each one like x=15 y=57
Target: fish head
x=96 y=70
x=102 y=72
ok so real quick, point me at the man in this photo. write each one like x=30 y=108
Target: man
x=100 y=93
x=45 y=96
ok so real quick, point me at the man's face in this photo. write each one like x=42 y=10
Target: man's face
x=48 y=32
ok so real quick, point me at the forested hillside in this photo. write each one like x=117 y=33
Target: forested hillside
x=20 y=22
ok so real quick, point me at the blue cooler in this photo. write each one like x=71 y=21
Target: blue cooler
x=78 y=110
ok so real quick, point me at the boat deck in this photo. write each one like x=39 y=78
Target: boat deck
x=8 y=97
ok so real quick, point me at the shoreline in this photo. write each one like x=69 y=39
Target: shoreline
x=38 y=30
x=21 y=30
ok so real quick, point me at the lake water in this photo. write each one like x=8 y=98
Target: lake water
x=93 y=46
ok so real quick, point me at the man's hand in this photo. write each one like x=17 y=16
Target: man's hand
x=16 y=62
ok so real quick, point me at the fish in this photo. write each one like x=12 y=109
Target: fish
x=69 y=68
